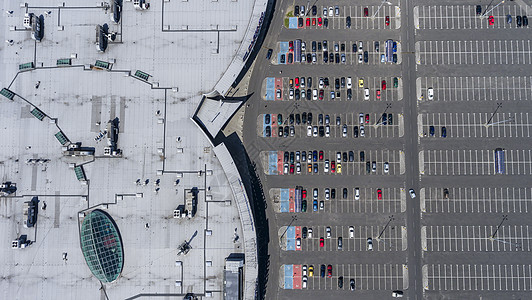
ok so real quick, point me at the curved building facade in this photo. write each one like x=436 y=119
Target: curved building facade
x=102 y=246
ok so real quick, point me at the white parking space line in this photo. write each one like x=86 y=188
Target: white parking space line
x=475 y=162
x=469 y=277
x=474 y=52
x=477 y=200
x=477 y=125
x=476 y=238
x=366 y=276
x=368 y=202
x=390 y=240
x=508 y=88
x=465 y=17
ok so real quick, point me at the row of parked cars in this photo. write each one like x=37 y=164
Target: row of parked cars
x=301 y=12
x=519 y=20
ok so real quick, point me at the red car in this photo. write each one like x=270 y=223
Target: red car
x=491 y=20
x=321 y=242
x=321 y=155
x=378 y=94
x=296 y=80
x=329 y=271
x=321 y=94
x=379 y=194
x=383 y=85
x=387 y=21
x=365 y=11
x=367 y=118
x=308 y=22
x=304 y=194
x=313 y=21
x=319 y=21
x=333 y=166
x=291 y=46
x=292 y=169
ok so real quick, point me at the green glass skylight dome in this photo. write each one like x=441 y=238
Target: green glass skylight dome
x=101 y=246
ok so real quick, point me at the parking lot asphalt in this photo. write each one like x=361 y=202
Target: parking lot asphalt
x=463 y=90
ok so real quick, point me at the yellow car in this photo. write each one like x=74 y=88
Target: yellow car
x=339 y=168
x=311 y=271
x=310 y=168
x=361 y=83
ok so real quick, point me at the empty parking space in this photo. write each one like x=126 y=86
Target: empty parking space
x=473 y=162
x=489 y=52
x=485 y=88
x=476 y=125
x=366 y=276
x=476 y=238
x=466 y=277
x=476 y=200
x=464 y=17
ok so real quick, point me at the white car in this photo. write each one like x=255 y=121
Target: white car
x=302 y=82
x=303 y=47
x=360 y=59
x=336 y=11
x=314 y=94
x=304 y=284
x=314 y=59
x=344 y=131
x=298 y=156
x=310 y=233
x=315 y=131
x=309 y=130
x=370 y=244
x=321 y=83
x=285 y=168
x=328 y=230
x=304 y=268
x=298 y=168
x=351 y=232
x=349 y=82
x=303 y=57
x=291 y=94
x=357 y=194
x=431 y=93
x=332 y=95
x=338 y=156
x=361 y=118
x=298 y=243
x=397 y=294
x=322 y=205
x=327 y=194
x=383 y=59
x=366 y=94
x=325 y=167
x=325 y=11
x=362 y=132
x=330 y=11
x=327 y=131
x=412 y=193
x=302 y=10
x=360 y=46
x=315 y=194
x=386 y=168
x=292 y=130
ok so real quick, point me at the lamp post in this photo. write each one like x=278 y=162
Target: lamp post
x=499 y=105
x=388 y=105
x=380 y=6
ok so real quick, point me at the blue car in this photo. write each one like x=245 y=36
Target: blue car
x=394 y=47
x=443 y=132
x=315 y=156
x=315 y=205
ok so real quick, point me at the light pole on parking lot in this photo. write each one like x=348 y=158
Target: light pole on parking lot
x=510 y=119
x=488 y=11
x=379 y=8
x=382 y=232
x=293 y=219
x=499 y=105
x=388 y=105
x=493 y=238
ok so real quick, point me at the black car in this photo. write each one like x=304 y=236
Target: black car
x=337 y=58
x=280 y=132
x=344 y=193
x=296 y=10
x=309 y=118
x=283 y=58
x=368 y=167
x=280 y=119
x=297 y=94
x=431 y=130
x=304 y=232
x=321 y=131
x=376 y=46
x=309 y=82
x=314 y=10
x=325 y=57
x=342 y=82
x=290 y=58
x=300 y=22
x=326 y=81
x=304 y=117
x=286 y=129
x=320 y=119
x=313 y=46
x=333 y=193
x=309 y=93
x=292 y=157
x=309 y=58
x=384 y=117
x=291 y=117
x=304 y=205
x=342 y=47
x=269 y=54
x=331 y=57
x=326 y=22
x=341 y=282
x=325 y=46
x=479 y=10
x=390 y=122
x=525 y=21
x=362 y=158
x=322 y=271
x=286 y=156
x=298 y=119
x=348 y=22
x=351 y=156
x=267 y=119
x=518 y=21
x=355 y=47
x=366 y=57
x=394 y=58
x=355 y=131
x=349 y=94
x=337 y=83
x=344 y=156
x=268 y=131
x=319 y=46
